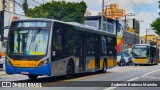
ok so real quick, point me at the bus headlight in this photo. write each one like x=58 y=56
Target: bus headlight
x=44 y=62
x=8 y=61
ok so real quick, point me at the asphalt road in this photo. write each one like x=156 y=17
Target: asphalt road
x=98 y=81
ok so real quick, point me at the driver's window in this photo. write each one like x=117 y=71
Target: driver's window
x=57 y=40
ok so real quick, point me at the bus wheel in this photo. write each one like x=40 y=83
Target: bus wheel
x=135 y=64
x=33 y=77
x=70 y=70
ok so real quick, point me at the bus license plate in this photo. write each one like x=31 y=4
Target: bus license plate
x=24 y=72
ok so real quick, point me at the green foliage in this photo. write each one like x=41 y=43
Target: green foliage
x=156 y=25
x=64 y=11
x=159 y=5
x=25 y=6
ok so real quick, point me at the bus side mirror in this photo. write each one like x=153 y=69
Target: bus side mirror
x=6 y=27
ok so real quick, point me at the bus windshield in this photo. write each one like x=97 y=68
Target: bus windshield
x=140 y=51
x=28 y=42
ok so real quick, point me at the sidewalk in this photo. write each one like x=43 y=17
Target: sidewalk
x=2 y=73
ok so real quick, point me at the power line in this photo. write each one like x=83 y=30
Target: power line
x=44 y=1
x=139 y=9
x=146 y=8
x=31 y=3
x=36 y=2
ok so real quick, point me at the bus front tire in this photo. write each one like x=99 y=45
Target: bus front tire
x=70 y=70
x=33 y=77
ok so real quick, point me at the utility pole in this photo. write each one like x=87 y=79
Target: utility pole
x=125 y=26
x=125 y=22
x=146 y=37
x=102 y=19
x=4 y=6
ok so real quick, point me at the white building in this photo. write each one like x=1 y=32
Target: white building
x=9 y=5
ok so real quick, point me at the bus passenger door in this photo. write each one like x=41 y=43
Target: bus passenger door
x=97 y=52
x=82 y=50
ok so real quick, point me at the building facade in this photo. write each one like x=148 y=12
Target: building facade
x=6 y=18
x=1 y=5
x=131 y=33
x=147 y=39
x=7 y=5
x=127 y=37
x=109 y=25
x=87 y=13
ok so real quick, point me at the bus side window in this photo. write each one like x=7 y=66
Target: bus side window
x=91 y=44
x=57 y=40
x=70 y=41
x=104 y=46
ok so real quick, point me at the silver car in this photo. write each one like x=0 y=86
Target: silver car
x=124 y=58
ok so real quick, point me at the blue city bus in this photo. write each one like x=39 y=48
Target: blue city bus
x=37 y=47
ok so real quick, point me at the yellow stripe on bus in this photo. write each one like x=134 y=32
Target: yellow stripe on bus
x=110 y=62
x=24 y=63
x=140 y=60
x=101 y=63
x=91 y=64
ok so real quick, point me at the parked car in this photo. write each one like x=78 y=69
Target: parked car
x=124 y=58
x=120 y=59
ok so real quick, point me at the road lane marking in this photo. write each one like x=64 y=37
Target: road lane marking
x=110 y=88
x=70 y=80
x=133 y=79
x=81 y=78
x=151 y=72
x=150 y=77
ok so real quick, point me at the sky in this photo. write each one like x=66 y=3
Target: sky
x=146 y=11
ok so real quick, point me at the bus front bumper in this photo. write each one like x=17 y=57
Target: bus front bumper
x=141 y=61
x=44 y=70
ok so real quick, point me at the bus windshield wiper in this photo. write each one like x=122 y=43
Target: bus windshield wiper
x=34 y=36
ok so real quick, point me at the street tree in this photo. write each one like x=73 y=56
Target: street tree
x=59 y=10
x=25 y=6
x=156 y=24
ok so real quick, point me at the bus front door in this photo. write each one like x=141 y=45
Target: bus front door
x=82 y=61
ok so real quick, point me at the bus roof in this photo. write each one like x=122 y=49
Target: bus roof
x=146 y=45
x=143 y=44
x=82 y=26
